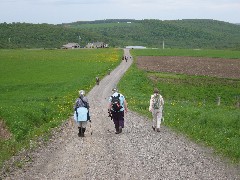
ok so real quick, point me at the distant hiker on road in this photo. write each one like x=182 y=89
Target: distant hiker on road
x=97 y=80
x=117 y=106
x=81 y=112
x=156 y=107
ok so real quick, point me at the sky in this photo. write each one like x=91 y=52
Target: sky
x=67 y=11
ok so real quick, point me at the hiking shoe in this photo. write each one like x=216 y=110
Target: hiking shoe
x=158 y=129
x=117 y=132
x=153 y=128
x=120 y=129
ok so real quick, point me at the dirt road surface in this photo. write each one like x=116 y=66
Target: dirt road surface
x=138 y=153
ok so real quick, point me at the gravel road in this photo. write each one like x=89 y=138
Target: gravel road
x=138 y=153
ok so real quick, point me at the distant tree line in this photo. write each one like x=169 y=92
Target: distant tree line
x=190 y=33
x=25 y=35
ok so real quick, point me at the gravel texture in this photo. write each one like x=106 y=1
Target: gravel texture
x=137 y=153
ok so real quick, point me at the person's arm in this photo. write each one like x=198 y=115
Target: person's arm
x=109 y=106
x=162 y=101
x=109 y=103
x=150 y=104
x=75 y=105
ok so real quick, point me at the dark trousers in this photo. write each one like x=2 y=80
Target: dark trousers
x=118 y=119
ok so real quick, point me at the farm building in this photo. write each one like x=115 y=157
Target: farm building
x=97 y=45
x=135 y=47
x=71 y=46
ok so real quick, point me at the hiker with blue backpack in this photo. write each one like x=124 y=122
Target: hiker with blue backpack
x=156 y=107
x=116 y=108
x=81 y=112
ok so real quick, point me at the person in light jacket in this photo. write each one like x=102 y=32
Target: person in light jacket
x=82 y=101
x=156 y=107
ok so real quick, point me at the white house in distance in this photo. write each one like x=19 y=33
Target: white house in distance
x=135 y=47
x=97 y=45
x=71 y=46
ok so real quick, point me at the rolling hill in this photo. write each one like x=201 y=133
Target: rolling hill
x=188 y=33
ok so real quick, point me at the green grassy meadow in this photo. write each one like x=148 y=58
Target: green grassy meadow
x=39 y=87
x=190 y=101
x=189 y=52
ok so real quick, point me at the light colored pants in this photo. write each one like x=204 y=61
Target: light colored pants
x=82 y=124
x=157 y=116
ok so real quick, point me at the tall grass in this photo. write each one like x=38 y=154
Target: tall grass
x=190 y=101
x=38 y=89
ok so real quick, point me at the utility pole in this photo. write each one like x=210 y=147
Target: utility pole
x=163 y=45
x=79 y=38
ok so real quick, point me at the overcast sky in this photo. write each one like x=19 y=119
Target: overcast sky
x=66 y=11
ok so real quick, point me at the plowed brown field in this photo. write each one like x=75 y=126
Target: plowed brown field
x=216 y=67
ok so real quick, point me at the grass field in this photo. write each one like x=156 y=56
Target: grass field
x=38 y=89
x=190 y=101
x=189 y=52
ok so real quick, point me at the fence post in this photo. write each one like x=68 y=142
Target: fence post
x=218 y=100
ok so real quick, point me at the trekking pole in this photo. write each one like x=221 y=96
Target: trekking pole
x=91 y=128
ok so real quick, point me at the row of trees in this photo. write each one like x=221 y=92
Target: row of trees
x=176 y=34
x=119 y=33
x=24 y=35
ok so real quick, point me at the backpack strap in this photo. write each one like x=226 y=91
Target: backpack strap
x=84 y=102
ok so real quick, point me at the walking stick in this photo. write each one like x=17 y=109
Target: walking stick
x=91 y=128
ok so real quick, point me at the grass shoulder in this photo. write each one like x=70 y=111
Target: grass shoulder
x=191 y=103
